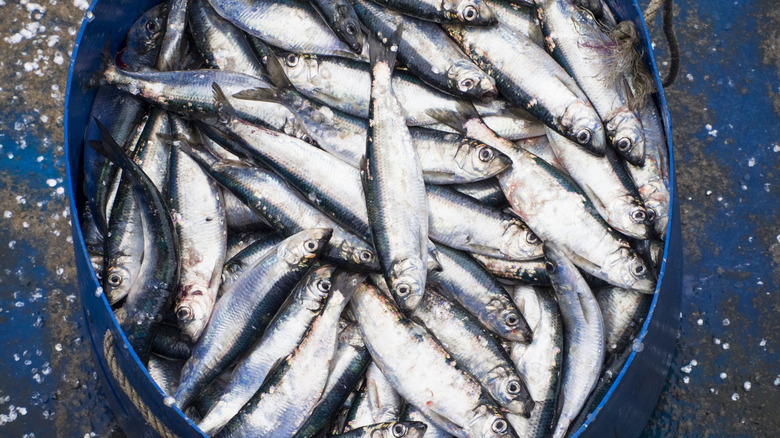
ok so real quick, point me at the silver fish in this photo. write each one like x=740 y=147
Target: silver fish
x=393 y=184
x=471 y=12
x=519 y=18
x=165 y=373
x=341 y=17
x=422 y=371
x=377 y=402
x=623 y=311
x=538 y=362
x=281 y=337
x=413 y=414
x=258 y=295
x=395 y=429
x=583 y=329
x=576 y=40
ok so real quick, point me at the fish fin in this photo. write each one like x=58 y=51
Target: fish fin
x=260 y=94
x=432 y=264
x=455 y=119
x=225 y=111
x=383 y=49
x=107 y=146
x=107 y=65
x=519 y=113
x=276 y=72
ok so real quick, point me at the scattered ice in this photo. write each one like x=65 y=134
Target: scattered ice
x=723 y=376
x=762 y=343
x=60 y=190
x=700 y=321
x=90 y=16
x=726 y=346
x=81 y=4
x=8 y=214
x=169 y=401
x=689 y=77
x=11 y=244
x=98 y=291
x=686 y=379
x=777 y=381
x=58 y=347
x=688 y=368
x=39 y=159
x=751 y=162
x=708 y=192
x=747 y=385
x=726 y=321
x=51 y=182
x=716 y=341
x=735 y=396
x=58 y=58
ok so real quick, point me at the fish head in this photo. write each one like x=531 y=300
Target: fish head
x=509 y=321
x=403 y=429
x=303 y=70
x=511 y=392
x=471 y=12
x=317 y=288
x=294 y=127
x=231 y=271
x=627 y=270
x=406 y=279
x=471 y=81
x=487 y=422
x=656 y=201
x=480 y=160
x=355 y=253
x=518 y=241
x=347 y=27
x=117 y=282
x=193 y=310
x=303 y=248
x=631 y=218
x=627 y=137
x=144 y=39
x=582 y=124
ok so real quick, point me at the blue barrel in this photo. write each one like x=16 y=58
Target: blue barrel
x=140 y=405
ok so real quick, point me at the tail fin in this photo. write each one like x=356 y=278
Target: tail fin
x=106 y=66
x=225 y=111
x=455 y=119
x=198 y=153
x=383 y=49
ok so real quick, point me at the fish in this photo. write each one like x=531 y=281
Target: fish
x=427 y=51
x=165 y=373
x=281 y=406
x=539 y=362
x=229 y=332
x=143 y=308
x=624 y=312
x=144 y=40
x=292 y=25
x=393 y=183
x=393 y=429
x=471 y=12
x=474 y=348
x=413 y=414
x=342 y=19
x=530 y=272
x=377 y=402
x=422 y=371
x=583 y=331
x=239 y=263
x=581 y=45
x=466 y=281
x=281 y=337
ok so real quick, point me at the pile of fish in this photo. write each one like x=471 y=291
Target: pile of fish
x=389 y=218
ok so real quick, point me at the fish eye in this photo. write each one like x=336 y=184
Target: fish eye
x=486 y=154
x=184 y=313
x=624 y=144
x=292 y=59
x=584 y=136
x=311 y=245
x=366 y=256
x=306 y=138
x=152 y=26
x=532 y=238
x=399 y=430
x=550 y=267
x=351 y=29
x=639 y=215
x=499 y=426
x=512 y=319
x=467 y=84
x=470 y=13
x=114 y=279
x=513 y=387
x=323 y=285
x=650 y=214
x=639 y=269
x=403 y=289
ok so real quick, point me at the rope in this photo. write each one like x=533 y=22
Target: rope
x=119 y=376
x=671 y=38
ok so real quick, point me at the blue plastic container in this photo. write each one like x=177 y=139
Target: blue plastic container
x=139 y=404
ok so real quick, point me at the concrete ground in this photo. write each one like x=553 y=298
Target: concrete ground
x=725 y=106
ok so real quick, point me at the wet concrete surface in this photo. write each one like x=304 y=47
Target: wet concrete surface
x=725 y=106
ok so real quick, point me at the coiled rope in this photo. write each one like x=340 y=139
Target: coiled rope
x=119 y=376
x=671 y=38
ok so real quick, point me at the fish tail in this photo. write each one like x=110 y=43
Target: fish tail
x=383 y=49
x=106 y=67
x=225 y=110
